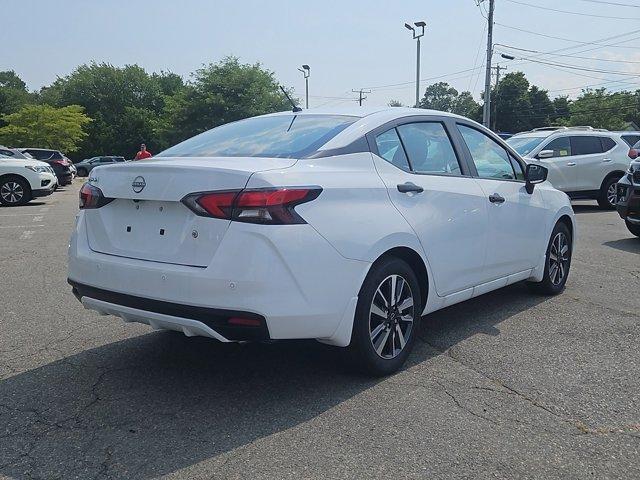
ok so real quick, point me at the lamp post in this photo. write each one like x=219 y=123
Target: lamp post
x=416 y=36
x=306 y=70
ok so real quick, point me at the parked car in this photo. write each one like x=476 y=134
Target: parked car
x=584 y=162
x=628 y=194
x=23 y=179
x=344 y=226
x=86 y=165
x=56 y=159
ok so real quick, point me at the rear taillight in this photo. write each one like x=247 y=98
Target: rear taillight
x=272 y=206
x=92 y=197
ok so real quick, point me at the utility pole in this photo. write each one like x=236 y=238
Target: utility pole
x=361 y=96
x=416 y=36
x=494 y=119
x=486 y=111
x=306 y=71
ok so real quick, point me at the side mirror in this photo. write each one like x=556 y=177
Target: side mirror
x=534 y=174
x=545 y=154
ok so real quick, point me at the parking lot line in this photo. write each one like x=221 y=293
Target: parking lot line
x=21 y=226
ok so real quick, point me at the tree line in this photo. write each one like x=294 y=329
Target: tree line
x=100 y=109
x=517 y=106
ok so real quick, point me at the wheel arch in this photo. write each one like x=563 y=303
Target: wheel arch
x=566 y=219
x=7 y=176
x=417 y=264
x=610 y=175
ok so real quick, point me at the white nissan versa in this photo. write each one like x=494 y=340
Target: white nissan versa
x=344 y=226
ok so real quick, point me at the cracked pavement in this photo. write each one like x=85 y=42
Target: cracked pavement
x=508 y=385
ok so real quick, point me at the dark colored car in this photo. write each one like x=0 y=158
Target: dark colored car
x=61 y=165
x=85 y=166
x=628 y=198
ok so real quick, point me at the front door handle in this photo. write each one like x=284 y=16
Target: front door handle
x=571 y=164
x=409 y=187
x=606 y=160
x=495 y=198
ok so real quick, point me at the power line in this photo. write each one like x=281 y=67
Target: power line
x=617 y=4
x=578 y=67
x=570 y=12
x=571 y=56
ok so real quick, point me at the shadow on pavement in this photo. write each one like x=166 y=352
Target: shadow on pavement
x=631 y=244
x=154 y=404
x=582 y=208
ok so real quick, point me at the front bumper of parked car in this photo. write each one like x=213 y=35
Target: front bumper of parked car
x=628 y=198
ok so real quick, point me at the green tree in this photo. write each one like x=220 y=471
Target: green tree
x=439 y=96
x=602 y=109
x=45 y=126
x=561 y=107
x=542 y=110
x=220 y=93
x=513 y=112
x=465 y=105
x=13 y=93
x=395 y=103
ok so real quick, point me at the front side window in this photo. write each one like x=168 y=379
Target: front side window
x=561 y=147
x=490 y=158
x=282 y=136
x=429 y=148
x=390 y=148
x=585 y=145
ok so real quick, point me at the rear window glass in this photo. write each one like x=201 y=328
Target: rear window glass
x=631 y=139
x=524 y=145
x=283 y=136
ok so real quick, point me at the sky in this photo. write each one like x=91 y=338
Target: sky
x=349 y=44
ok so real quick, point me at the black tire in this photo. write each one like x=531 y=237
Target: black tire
x=603 y=197
x=378 y=286
x=14 y=191
x=634 y=229
x=551 y=284
x=82 y=172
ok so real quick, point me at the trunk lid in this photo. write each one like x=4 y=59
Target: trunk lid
x=147 y=221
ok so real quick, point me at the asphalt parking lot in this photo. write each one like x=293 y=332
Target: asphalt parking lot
x=508 y=385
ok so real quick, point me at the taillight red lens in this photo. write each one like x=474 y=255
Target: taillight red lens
x=273 y=206
x=92 y=197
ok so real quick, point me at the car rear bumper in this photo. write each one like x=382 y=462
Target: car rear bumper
x=287 y=275
x=43 y=192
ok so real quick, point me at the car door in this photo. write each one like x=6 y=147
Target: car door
x=516 y=219
x=591 y=162
x=430 y=185
x=561 y=166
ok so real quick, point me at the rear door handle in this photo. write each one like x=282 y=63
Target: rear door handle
x=495 y=198
x=606 y=160
x=409 y=187
x=571 y=164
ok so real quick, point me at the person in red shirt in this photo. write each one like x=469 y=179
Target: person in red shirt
x=143 y=153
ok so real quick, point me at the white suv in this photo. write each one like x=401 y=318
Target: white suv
x=344 y=226
x=22 y=179
x=583 y=162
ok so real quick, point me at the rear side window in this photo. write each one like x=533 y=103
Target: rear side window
x=6 y=153
x=490 y=158
x=585 y=145
x=429 y=148
x=282 y=136
x=561 y=147
x=39 y=154
x=390 y=148
x=631 y=139
x=607 y=143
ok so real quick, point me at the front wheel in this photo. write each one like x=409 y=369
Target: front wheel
x=558 y=262
x=634 y=229
x=387 y=317
x=607 y=196
x=14 y=191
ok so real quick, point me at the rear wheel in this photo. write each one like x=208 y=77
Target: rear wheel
x=607 y=196
x=387 y=317
x=14 y=191
x=558 y=262
x=635 y=229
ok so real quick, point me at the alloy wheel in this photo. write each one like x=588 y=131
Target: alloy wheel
x=611 y=194
x=558 y=258
x=11 y=192
x=391 y=316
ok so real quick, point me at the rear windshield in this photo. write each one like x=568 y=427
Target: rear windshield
x=524 y=145
x=283 y=136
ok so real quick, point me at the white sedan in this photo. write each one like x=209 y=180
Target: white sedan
x=342 y=226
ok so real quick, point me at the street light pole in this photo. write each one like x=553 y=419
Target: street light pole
x=306 y=71
x=486 y=110
x=416 y=36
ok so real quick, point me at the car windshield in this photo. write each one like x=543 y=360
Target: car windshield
x=283 y=136
x=524 y=145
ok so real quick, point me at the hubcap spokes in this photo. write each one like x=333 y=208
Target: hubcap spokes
x=611 y=194
x=11 y=192
x=391 y=316
x=558 y=258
